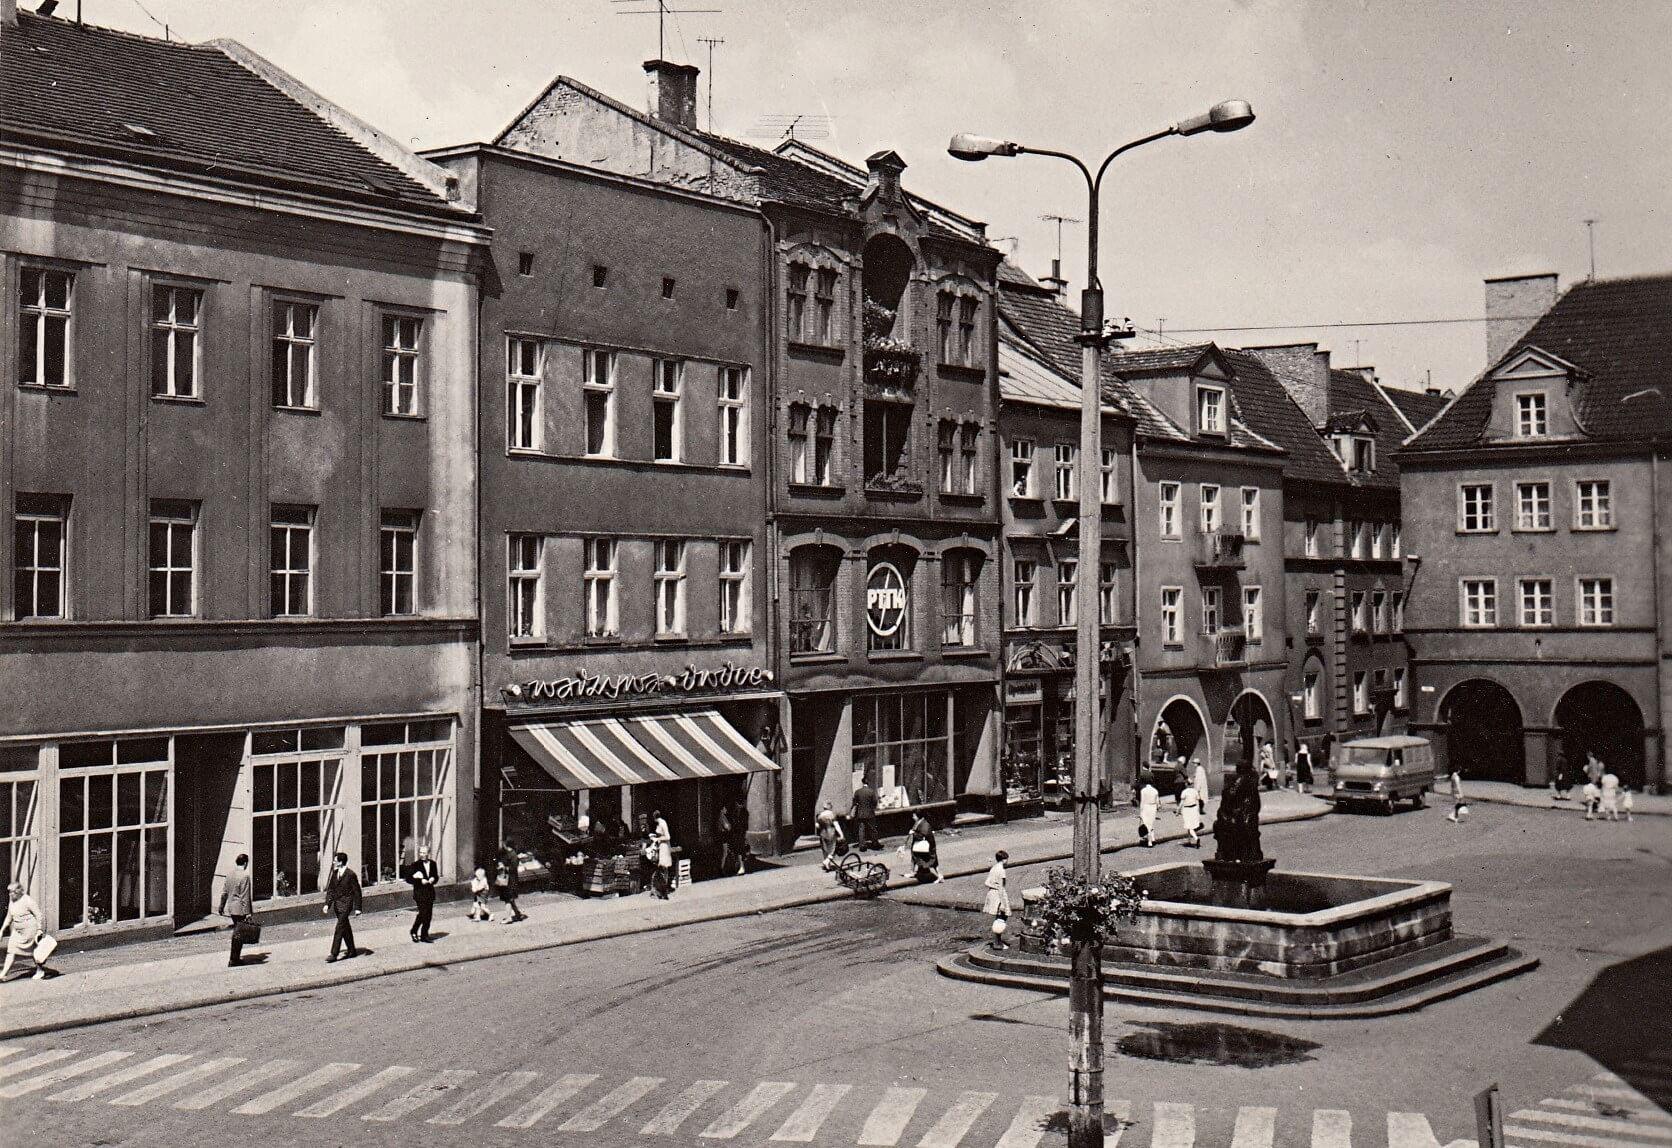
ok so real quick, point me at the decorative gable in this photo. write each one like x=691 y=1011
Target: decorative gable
x=1535 y=398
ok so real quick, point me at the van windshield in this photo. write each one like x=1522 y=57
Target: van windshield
x=1367 y=756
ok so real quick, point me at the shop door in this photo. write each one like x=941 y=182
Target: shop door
x=807 y=762
x=205 y=780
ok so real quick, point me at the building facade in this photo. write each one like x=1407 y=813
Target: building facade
x=626 y=661
x=239 y=577
x=1537 y=519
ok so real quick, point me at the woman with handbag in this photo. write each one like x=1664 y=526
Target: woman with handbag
x=831 y=837
x=997 y=904
x=924 y=858
x=505 y=881
x=661 y=839
x=237 y=904
x=23 y=919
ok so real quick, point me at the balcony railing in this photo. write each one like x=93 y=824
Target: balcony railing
x=1220 y=550
x=1229 y=648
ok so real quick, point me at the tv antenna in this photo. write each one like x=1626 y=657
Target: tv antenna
x=1059 y=220
x=711 y=41
x=798 y=126
x=1591 y=241
x=661 y=11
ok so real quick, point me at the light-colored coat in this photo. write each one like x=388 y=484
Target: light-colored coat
x=236 y=899
x=1149 y=804
x=23 y=918
x=998 y=897
x=1190 y=809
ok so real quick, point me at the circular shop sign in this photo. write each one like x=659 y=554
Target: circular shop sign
x=885 y=599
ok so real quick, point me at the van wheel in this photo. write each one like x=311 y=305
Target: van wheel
x=1419 y=799
x=1387 y=806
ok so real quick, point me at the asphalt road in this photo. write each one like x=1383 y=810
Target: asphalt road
x=831 y=1026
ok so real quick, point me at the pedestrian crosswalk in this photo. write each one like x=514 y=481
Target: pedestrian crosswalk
x=1604 y=1112
x=586 y=1107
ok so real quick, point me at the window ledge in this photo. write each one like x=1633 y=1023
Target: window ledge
x=817 y=657
x=830 y=351
x=893 y=494
x=180 y=400
x=959 y=498
x=525 y=452
x=1532 y=530
x=1594 y=529
x=965 y=652
x=527 y=642
x=961 y=371
x=397 y=416
x=1026 y=498
x=46 y=389
x=815 y=490
x=1177 y=646
x=298 y=410
x=894 y=655
x=1460 y=531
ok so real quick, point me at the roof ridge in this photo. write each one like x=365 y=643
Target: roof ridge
x=89 y=26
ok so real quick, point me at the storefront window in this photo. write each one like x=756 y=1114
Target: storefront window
x=900 y=745
x=812 y=620
x=113 y=844
x=17 y=820
x=1022 y=766
x=293 y=813
x=405 y=795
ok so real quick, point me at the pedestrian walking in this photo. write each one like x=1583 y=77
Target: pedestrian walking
x=479 y=895
x=1594 y=768
x=1592 y=794
x=505 y=881
x=23 y=921
x=997 y=904
x=832 y=841
x=1149 y=805
x=1561 y=778
x=237 y=905
x=1199 y=779
x=1303 y=768
x=862 y=811
x=1625 y=801
x=1271 y=776
x=1609 y=804
x=1190 y=812
x=422 y=876
x=734 y=837
x=1459 y=805
x=661 y=841
x=342 y=900
x=1326 y=750
x=925 y=857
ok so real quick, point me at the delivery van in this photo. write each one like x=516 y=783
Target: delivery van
x=1381 y=771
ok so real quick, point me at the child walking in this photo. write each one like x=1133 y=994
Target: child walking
x=997 y=904
x=1459 y=807
x=479 y=895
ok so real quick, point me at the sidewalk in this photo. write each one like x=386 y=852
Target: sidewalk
x=1508 y=793
x=118 y=984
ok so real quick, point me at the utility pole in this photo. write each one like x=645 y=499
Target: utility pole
x=711 y=41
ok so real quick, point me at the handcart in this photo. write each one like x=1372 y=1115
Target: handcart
x=865 y=878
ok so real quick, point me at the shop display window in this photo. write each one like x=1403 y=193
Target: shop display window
x=901 y=747
x=294 y=825
x=113 y=840
x=1022 y=767
x=405 y=795
x=18 y=806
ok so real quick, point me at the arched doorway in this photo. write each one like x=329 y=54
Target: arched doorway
x=1179 y=734
x=1483 y=732
x=1247 y=725
x=1601 y=718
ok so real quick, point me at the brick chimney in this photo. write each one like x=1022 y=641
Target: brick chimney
x=1513 y=305
x=1055 y=281
x=673 y=93
x=885 y=168
x=8 y=13
x=1304 y=372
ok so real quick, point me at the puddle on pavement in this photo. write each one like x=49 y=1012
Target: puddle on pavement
x=1220 y=1044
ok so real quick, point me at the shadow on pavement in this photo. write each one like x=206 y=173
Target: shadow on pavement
x=1611 y=1022
x=1217 y=1044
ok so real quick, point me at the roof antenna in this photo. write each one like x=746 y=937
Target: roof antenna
x=661 y=11
x=1055 y=279
x=1591 y=240
x=711 y=41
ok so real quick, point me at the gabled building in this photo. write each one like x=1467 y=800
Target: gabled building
x=237 y=587
x=1539 y=528
x=881 y=406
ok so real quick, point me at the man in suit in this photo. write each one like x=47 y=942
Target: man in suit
x=236 y=903
x=422 y=876
x=342 y=898
x=863 y=814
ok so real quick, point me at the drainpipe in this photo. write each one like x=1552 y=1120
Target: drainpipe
x=769 y=498
x=1662 y=628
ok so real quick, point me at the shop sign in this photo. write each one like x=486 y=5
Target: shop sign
x=584 y=686
x=885 y=599
x=1023 y=693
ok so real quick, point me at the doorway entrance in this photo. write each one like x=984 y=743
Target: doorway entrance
x=206 y=840
x=1483 y=732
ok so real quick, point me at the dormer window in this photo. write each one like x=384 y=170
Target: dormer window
x=1210 y=410
x=1364 y=454
x=1532 y=418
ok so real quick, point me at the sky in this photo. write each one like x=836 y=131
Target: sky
x=1402 y=152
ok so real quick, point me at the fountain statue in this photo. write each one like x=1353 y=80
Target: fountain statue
x=1238 y=867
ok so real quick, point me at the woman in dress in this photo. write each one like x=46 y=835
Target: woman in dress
x=829 y=830
x=1199 y=778
x=505 y=881
x=925 y=859
x=1190 y=812
x=997 y=904
x=662 y=838
x=1149 y=805
x=23 y=919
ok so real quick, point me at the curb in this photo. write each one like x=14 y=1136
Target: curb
x=1574 y=806
x=340 y=976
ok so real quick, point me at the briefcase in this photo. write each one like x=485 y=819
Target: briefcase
x=247 y=931
x=44 y=948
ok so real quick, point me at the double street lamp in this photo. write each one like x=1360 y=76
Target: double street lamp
x=1086 y=978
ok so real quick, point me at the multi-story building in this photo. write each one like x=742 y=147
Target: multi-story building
x=1039 y=446
x=237 y=333
x=1539 y=529
x=880 y=373
x=625 y=659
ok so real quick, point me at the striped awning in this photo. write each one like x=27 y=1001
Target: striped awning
x=594 y=753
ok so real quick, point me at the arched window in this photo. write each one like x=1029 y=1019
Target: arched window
x=960 y=577
x=888 y=598
x=812 y=599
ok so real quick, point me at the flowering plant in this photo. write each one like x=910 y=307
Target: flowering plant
x=1075 y=908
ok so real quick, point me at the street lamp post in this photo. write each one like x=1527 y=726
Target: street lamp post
x=1085 y=993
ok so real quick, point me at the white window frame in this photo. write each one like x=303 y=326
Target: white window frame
x=668 y=390
x=823 y=428
x=735 y=585
x=1068 y=591
x=171 y=516
x=525 y=609
x=1210 y=409
x=733 y=385
x=1593 y=504
x=601 y=588
x=306 y=346
x=1542 y=611
x=290 y=572
x=1313 y=600
x=958 y=626
x=1021 y=468
x=1359 y=612
x=1309 y=539
x=1594 y=598
x=1025 y=591
x=1213 y=611
x=1065 y=478
x=43 y=316
x=525 y=370
x=946 y=455
x=1401 y=699
x=798 y=430
x=1312 y=689
x=1108 y=476
x=36 y=565
x=1368 y=445
x=1477 y=611
x=1397 y=605
x=1361 y=693
x=1172 y=618
x=969 y=454
x=1253 y=614
x=1376 y=547
x=1210 y=507
x=669 y=578
x=402 y=356
x=1532 y=414
x=1251 y=513
x=1108 y=593
x=1527 y=517
x=176 y=342
x=1395 y=542
x=1167 y=505
x=395 y=528
x=598 y=368
x=1477 y=501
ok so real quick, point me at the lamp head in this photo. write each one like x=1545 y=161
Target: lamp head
x=972 y=147
x=1225 y=116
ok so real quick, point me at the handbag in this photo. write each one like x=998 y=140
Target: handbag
x=44 y=948
x=920 y=846
x=247 y=931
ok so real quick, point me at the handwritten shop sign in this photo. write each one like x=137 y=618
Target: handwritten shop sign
x=885 y=599
x=583 y=686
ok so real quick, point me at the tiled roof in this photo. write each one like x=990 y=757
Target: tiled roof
x=858 y=178
x=184 y=107
x=1352 y=395
x=1027 y=377
x=1417 y=406
x=1268 y=409
x=1159 y=359
x=1619 y=332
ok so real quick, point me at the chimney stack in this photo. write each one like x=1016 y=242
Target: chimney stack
x=673 y=93
x=1303 y=370
x=8 y=13
x=1513 y=304
x=1055 y=281
x=885 y=168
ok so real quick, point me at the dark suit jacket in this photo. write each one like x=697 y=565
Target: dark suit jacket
x=342 y=894
x=864 y=802
x=422 y=876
